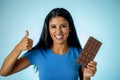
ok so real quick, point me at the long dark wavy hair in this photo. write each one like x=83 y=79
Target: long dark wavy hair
x=46 y=41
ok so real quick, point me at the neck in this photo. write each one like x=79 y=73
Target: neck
x=59 y=48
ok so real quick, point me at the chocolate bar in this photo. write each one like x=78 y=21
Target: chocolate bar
x=89 y=51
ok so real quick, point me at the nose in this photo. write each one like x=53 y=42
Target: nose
x=58 y=30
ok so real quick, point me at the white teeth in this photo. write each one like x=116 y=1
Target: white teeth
x=59 y=36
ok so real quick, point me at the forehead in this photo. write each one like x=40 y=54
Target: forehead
x=57 y=19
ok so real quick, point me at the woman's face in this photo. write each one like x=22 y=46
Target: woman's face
x=59 y=30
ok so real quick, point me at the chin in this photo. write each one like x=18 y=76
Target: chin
x=60 y=42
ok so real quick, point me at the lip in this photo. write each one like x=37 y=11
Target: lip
x=59 y=37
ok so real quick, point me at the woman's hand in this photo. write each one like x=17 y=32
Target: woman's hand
x=90 y=70
x=25 y=44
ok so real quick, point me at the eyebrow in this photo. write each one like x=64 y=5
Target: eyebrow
x=60 y=24
x=64 y=24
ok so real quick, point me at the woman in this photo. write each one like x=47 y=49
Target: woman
x=56 y=53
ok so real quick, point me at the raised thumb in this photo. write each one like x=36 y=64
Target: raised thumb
x=26 y=34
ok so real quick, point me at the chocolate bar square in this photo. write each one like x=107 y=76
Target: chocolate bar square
x=89 y=51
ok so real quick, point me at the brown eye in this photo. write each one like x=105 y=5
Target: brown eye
x=53 y=26
x=63 y=26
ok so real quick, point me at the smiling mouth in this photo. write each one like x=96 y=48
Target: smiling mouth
x=59 y=37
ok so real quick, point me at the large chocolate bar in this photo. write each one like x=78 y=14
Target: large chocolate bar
x=89 y=51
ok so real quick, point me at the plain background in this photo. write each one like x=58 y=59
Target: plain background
x=98 y=18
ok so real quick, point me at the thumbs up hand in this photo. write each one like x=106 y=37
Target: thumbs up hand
x=26 y=43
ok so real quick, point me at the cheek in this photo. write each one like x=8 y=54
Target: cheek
x=51 y=33
x=67 y=33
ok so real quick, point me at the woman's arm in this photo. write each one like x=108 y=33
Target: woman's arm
x=20 y=64
x=12 y=64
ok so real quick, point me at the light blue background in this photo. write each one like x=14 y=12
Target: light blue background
x=98 y=18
